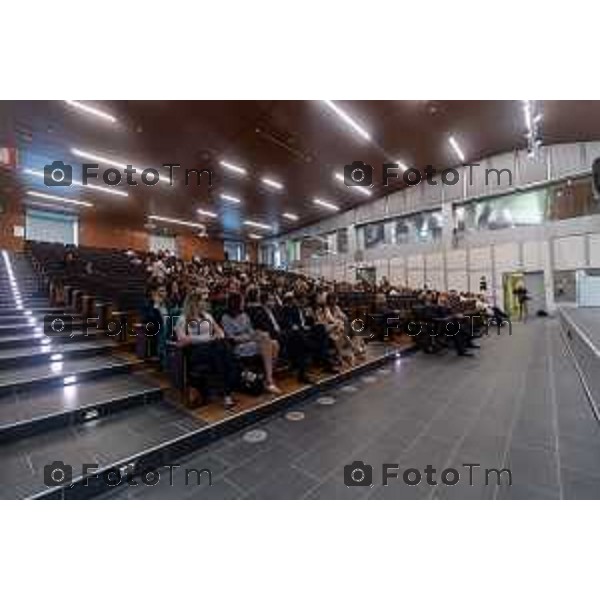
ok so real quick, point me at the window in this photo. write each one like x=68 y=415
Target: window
x=46 y=226
x=342 y=241
x=163 y=242
x=512 y=210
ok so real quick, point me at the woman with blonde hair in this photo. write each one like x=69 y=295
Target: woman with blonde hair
x=209 y=350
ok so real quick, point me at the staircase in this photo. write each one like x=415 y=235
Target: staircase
x=69 y=396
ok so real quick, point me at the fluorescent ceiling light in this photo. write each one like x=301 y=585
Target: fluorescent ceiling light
x=347 y=119
x=255 y=236
x=109 y=161
x=357 y=188
x=257 y=224
x=290 y=216
x=175 y=221
x=106 y=190
x=325 y=204
x=207 y=213
x=233 y=167
x=91 y=110
x=58 y=198
x=273 y=184
x=456 y=148
x=230 y=198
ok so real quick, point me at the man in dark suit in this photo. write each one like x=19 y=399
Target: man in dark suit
x=282 y=325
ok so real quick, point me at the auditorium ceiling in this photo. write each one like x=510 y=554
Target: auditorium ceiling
x=289 y=151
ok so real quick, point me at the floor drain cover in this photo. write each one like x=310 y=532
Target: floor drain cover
x=326 y=400
x=368 y=379
x=255 y=435
x=294 y=415
x=349 y=389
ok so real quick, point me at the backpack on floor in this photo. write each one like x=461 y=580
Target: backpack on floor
x=252 y=382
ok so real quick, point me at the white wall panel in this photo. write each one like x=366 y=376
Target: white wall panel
x=415 y=261
x=506 y=257
x=457 y=280
x=566 y=159
x=533 y=255
x=594 y=242
x=480 y=257
x=569 y=252
x=456 y=259
x=592 y=151
x=434 y=261
x=532 y=169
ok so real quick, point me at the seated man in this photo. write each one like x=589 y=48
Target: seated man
x=268 y=316
x=197 y=328
x=248 y=341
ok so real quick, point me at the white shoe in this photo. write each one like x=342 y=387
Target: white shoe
x=228 y=402
x=273 y=389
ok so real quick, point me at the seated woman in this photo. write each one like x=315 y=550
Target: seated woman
x=249 y=342
x=358 y=344
x=196 y=328
x=335 y=327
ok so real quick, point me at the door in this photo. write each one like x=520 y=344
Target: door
x=534 y=282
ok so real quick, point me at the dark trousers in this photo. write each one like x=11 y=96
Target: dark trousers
x=213 y=360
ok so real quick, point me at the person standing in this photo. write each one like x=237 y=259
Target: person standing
x=522 y=299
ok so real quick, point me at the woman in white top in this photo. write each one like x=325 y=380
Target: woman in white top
x=197 y=328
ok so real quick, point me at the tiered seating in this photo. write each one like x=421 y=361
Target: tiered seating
x=113 y=279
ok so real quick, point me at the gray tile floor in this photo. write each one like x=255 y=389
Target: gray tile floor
x=518 y=404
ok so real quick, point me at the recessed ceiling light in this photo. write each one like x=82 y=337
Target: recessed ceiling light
x=347 y=119
x=357 y=188
x=206 y=213
x=91 y=110
x=58 y=198
x=456 y=148
x=271 y=183
x=106 y=190
x=175 y=221
x=257 y=225
x=290 y=216
x=233 y=167
x=229 y=198
x=109 y=161
x=255 y=236
x=325 y=204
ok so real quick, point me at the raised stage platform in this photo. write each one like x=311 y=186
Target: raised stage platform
x=581 y=329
